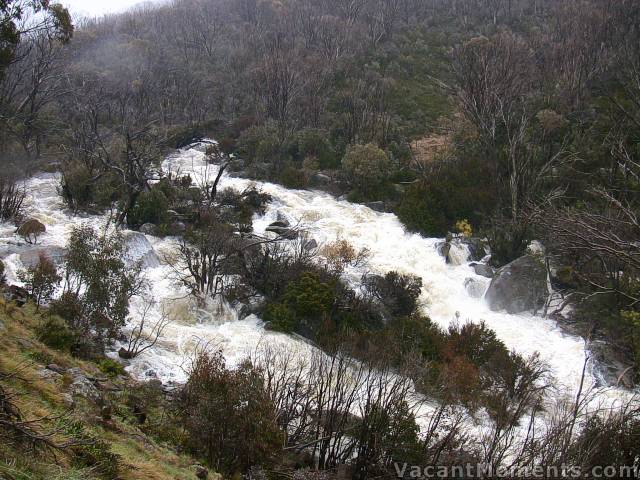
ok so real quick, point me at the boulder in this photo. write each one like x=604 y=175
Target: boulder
x=282 y=229
x=31 y=258
x=519 y=286
x=377 y=206
x=178 y=227
x=319 y=180
x=148 y=229
x=459 y=250
x=310 y=244
x=82 y=386
x=483 y=270
x=475 y=288
x=201 y=472
x=49 y=375
x=139 y=249
x=17 y=294
x=56 y=368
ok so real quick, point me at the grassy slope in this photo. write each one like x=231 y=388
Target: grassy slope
x=21 y=352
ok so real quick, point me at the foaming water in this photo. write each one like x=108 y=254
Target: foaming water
x=444 y=296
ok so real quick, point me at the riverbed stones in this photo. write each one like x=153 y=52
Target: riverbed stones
x=483 y=270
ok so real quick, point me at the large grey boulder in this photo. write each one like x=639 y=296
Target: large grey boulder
x=519 y=286
x=139 y=249
x=483 y=270
x=460 y=250
x=31 y=258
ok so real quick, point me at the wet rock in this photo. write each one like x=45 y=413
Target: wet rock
x=148 y=229
x=319 y=180
x=519 y=286
x=310 y=244
x=139 y=249
x=31 y=258
x=610 y=366
x=475 y=288
x=483 y=270
x=201 y=472
x=49 y=375
x=56 y=368
x=178 y=227
x=17 y=294
x=282 y=229
x=125 y=354
x=459 y=250
x=376 y=206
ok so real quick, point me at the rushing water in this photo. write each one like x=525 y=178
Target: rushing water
x=444 y=296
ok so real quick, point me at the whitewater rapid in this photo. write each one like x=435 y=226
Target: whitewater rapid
x=444 y=297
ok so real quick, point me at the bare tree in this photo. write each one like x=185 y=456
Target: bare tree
x=144 y=336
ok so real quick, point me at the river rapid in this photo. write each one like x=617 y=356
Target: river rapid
x=444 y=297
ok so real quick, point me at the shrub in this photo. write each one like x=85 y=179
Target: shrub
x=309 y=296
x=41 y=280
x=96 y=267
x=111 y=368
x=3 y=277
x=280 y=318
x=464 y=228
x=11 y=198
x=367 y=167
x=151 y=207
x=227 y=416
x=68 y=307
x=398 y=293
x=260 y=144
x=31 y=230
x=55 y=333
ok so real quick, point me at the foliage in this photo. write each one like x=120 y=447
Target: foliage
x=367 y=167
x=11 y=198
x=111 y=368
x=464 y=228
x=398 y=293
x=41 y=280
x=226 y=415
x=151 y=207
x=54 y=332
x=96 y=272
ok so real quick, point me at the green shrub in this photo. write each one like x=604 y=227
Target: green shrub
x=111 y=368
x=151 y=207
x=55 y=333
x=280 y=317
x=367 y=167
x=309 y=296
x=421 y=211
x=260 y=144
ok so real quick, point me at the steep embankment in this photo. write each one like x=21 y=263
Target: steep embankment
x=73 y=418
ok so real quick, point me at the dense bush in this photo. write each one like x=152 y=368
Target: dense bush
x=41 y=280
x=96 y=267
x=368 y=168
x=398 y=293
x=151 y=207
x=227 y=417
x=55 y=333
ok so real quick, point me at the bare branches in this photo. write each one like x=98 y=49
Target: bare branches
x=144 y=336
